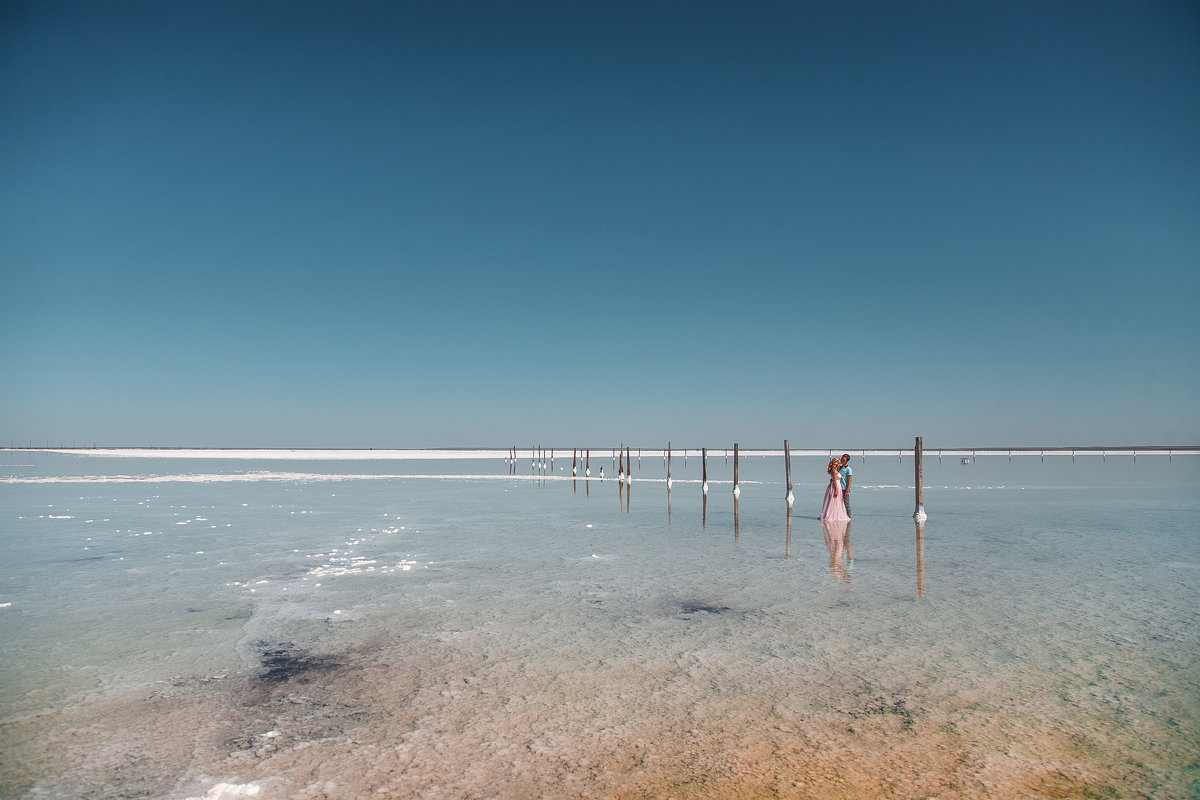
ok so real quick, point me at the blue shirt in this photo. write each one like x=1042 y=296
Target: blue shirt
x=845 y=472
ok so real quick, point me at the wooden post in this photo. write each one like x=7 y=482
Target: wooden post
x=787 y=465
x=737 y=490
x=704 y=470
x=628 y=468
x=587 y=465
x=919 y=513
x=668 y=469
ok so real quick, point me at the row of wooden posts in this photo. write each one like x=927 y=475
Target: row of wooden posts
x=539 y=457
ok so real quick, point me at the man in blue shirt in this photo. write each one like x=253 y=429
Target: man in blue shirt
x=847 y=476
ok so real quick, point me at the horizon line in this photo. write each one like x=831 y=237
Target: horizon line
x=540 y=450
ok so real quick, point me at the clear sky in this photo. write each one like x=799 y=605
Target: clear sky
x=445 y=223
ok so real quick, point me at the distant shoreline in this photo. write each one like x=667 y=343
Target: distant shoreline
x=448 y=453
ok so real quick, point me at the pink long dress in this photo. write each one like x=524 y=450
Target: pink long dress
x=834 y=507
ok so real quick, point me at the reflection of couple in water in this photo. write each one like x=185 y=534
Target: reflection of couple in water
x=835 y=517
x=837 y=541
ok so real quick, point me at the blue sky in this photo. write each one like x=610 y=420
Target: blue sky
x=473 y=223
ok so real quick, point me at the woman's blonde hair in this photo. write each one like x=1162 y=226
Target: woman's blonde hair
x=835 y=465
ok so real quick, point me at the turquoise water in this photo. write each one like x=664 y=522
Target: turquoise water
x=450 y=628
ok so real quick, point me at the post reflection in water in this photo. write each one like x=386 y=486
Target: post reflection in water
x=704 y=511
x=920 y=558
x=735 y=517
x=668 y=505
x=787 y=546
x=837 y=542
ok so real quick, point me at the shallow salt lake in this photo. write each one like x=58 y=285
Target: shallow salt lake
x=445 y=628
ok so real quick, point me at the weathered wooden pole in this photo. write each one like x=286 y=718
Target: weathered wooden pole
x=704 y=470
x=587 y=464
x=628 y=468
x=574 y=460
x=737 y=490
x=621 y=463
x=787 y=465
x=919 y=514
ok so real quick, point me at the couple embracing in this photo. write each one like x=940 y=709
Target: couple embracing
x=837 y=496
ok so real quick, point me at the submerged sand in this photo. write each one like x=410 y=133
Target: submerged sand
x=470 y=715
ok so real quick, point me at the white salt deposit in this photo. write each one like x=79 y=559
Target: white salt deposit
x=230 y=791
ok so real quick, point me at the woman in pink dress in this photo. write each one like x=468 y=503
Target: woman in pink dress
x=834 y=507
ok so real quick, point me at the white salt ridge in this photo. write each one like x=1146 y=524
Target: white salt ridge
x=313 y=477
